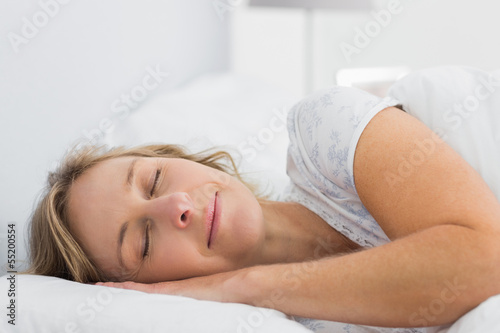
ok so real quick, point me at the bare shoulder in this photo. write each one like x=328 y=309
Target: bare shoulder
x=409 y=179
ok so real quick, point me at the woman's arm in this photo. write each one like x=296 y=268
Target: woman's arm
x=443 y=261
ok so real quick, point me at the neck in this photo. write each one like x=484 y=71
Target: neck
x=295 y=234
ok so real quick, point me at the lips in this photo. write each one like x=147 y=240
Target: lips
x=212 y=219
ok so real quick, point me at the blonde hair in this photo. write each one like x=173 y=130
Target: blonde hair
x=53 y=249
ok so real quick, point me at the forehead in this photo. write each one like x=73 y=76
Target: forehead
x=112 y=165
x=100 y=180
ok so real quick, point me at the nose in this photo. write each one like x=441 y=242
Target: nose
x=175 y=208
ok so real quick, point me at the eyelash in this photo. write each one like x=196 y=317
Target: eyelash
x=146 y=246
x=148 y=227
x=153 y=188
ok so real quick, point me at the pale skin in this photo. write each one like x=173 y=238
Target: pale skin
x=442 y=219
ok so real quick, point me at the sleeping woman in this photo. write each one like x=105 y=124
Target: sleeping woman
x=356 y=237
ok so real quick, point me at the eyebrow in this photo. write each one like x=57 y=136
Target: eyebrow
x=131 y=173
x=121 y=236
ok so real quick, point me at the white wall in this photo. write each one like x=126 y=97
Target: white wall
x=425 y=33
x=65 y=76
x=267 y=43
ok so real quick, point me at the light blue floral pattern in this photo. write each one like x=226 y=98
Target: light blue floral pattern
x=323 y=326
x=324 y=129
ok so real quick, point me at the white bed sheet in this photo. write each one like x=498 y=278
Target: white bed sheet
x=483 y=319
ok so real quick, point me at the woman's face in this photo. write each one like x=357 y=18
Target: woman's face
x=163 y=219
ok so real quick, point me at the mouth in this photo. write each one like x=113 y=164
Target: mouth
x=212 y=219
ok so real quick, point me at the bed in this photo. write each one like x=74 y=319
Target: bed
x=253 y=112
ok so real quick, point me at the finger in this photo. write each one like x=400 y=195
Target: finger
x=155 y=288
x=105 y=284
x=122 y=285
x=134 y=286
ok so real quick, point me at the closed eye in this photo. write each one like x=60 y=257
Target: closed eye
x=146 y=243
x=155 y=183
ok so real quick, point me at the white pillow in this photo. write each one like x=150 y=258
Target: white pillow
x=461 y=104
x=47 y=304
x=220 y=109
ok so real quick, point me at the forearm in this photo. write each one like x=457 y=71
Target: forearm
x=429 y=278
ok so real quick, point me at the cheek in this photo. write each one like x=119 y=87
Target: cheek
x=245 y=233
x=246 y=215
x=250 y=229
x=174 y=259
x=201 y=196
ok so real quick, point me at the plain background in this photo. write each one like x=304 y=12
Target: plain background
x=65 y=79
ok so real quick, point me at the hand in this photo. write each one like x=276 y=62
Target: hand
x=221 y=287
